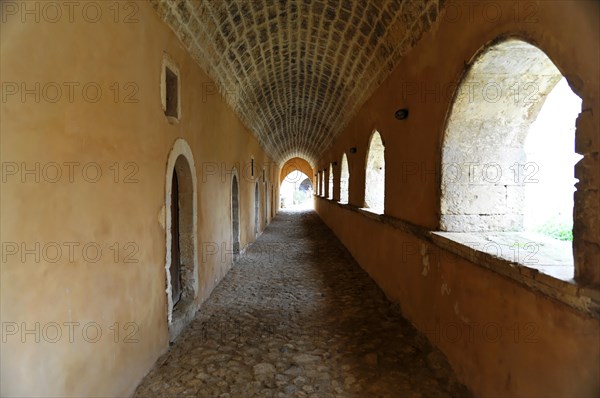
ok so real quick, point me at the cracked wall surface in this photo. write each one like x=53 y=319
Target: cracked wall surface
x=296 y=71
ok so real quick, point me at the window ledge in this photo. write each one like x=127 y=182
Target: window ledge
x=534 y=252
x=551 y=274
x=371 y=212
x=172 y=119
x=541 y=263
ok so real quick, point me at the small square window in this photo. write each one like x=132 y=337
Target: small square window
x=170 y=88
x=172 y=100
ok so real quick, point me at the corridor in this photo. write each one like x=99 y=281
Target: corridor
x=297 y=317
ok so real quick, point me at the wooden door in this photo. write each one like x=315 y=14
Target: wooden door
x=175 y=250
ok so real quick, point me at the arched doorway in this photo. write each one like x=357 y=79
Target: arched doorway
x=256 y=209
x=273 y=204
x=181 y=263
x=175 y=269
x=266 y=206
x=235 y=216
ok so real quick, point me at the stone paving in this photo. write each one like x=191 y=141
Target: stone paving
x=297 y=317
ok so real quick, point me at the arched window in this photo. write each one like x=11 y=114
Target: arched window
x=318 y=183
x=318 y=178
x=330 y=187
x=323 y=183
x=344 y=179
x=509 y=153
x=375 y=175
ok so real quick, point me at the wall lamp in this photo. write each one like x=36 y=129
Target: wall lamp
x=401 y=114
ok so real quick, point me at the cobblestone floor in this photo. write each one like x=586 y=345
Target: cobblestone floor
x=297 y=317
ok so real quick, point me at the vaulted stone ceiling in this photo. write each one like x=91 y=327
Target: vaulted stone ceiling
x=296 y=71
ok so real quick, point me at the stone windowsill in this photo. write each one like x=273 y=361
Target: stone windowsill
x=532 y=251
x=542 y=264
x=370 y=211
x=545 y=265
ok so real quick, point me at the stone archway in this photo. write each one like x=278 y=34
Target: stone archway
x=489 y=174
x=485 y=170
x=181 y=261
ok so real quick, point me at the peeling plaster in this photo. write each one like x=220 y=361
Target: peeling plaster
x=445 y=289
x=425 y=255
x=458 y=313
x=161 y=217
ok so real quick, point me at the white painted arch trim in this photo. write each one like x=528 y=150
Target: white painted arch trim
x=180 y=148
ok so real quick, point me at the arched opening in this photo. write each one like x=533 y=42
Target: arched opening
x=344 y=179
x=266 y=202
x=330 y=187
x=256 y=209
x=550 y=154
x=321 y=184
x=508 y=156
x=375 y=175
x=235 y=216
x=296 y=191
x=273 y=203
x=319 y=193
x=183 y=282
x=181 y=263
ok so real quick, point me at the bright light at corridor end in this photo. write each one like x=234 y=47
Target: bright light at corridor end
x=296 y=192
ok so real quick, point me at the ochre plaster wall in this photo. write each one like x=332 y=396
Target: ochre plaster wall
x=545 y=348
x=135 y=136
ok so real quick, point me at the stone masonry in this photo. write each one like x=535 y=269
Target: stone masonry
x=297 y=71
